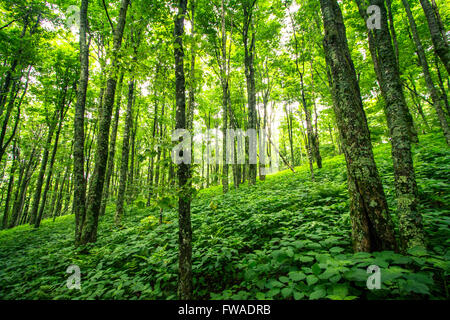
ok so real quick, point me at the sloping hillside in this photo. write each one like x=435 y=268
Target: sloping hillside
x=285 y=238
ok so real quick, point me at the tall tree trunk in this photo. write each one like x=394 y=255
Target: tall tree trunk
x=125 y=155
x=12 y=99
x=249 y=56
x=112 y=147
x=393 y=33
x=225 y=82
x=380 y=45
x=158 y=156
x=191 y=98
x=58 y=206
x=127 y=136
x=37 y=221
x=130 y=189
x=438 y=101
x=89 y=233
x=441 y=84
x=151 y=160
x=10 y=186
x=208 y=149
x=8 y=79
x=290 y=133
x=438 y=36
x=418 y=105
x=19 y=201
x=372 y=228
x=310 y=140
x=184 y=197
x=79 y=182
x=316 y=143
x=54 y=193
x=40 y=178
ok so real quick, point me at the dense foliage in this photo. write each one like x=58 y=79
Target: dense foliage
x=224 y=149
x=285 y=238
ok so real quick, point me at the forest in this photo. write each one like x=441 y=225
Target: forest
x=224 y=150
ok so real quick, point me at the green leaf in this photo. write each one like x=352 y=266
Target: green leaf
x=417 y=251
x=335 y=278
x=311 y=279
x=317 y=294
x=297 y=275
x=298 y=295
x=336 y=250
x=286 y=292
x=356 y=275
x=260 y=296
x=316 y=269
x=306 y=259
x=340 y=290
x=328 y=274
x=273 y=292
x=275 y=284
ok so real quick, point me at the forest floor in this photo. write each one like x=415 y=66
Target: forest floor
x=284 y=238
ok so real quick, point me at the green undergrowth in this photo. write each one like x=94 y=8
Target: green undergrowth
x=285 y=238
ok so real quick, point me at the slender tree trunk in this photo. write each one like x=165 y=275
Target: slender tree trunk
x=393 y=33
x=289 y=129
x=54 y=194
x=225 y=82
x=191 y=94
x=316 y=142
x=10 y=186
x=309 y=130
x=19 y=183
x=19 y=201
x=441 y=84
x=8 y=79
x=37 y=222
x=372 y=228
x=40 y=178
x=438 y=101
x=112 y=147
x=58 y=205
x=410 y=219
x=184 y=199
x=249 y=53
x=89 y=233
x=158 y=157
x=151 y=160
x=438 y=36
x=125 y=155
x=130 y=189
x=418 y=105
x=79 y=182
x=208 y=149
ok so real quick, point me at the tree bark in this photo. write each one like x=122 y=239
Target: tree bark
x=89 y=233
x=438 y=99
x=249 y=56
x=112 y=147
x=10 y=186
x=372 y=228
x=438 y=36
x=125 y=155
x=184 y=198
x=380 y=45
x=19 y=201
x=224 y=77
x=40 y=178
x=37 y=221
x=79 y=182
